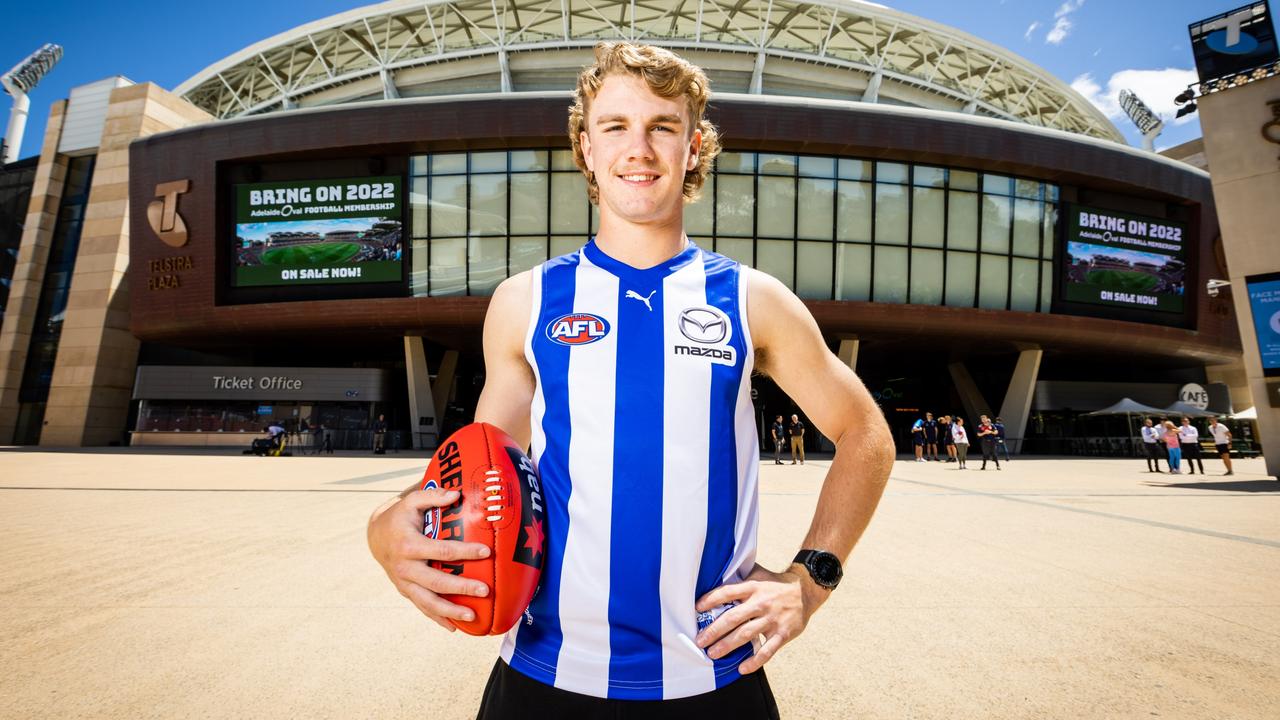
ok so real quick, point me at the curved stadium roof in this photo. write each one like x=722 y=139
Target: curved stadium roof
x=839 y=49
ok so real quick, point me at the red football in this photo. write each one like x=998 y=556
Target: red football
x=500 y=506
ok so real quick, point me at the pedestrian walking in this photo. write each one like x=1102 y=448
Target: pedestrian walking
x=1189 y=443
x=987 y=436
x=961 y=440
x=1174 y=447
x=779 y=432
x=1221 y=442
x=1151 y=445
x=796 y=431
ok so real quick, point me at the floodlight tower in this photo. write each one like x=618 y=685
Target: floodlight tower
x=18 y=82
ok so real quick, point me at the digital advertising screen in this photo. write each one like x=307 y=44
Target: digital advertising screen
x=1264 y=302
x=318 y=232
x=1124 y=261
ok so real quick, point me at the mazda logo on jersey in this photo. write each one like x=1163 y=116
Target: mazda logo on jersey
x=705 y=325
x=577 y=329
x=709 y=327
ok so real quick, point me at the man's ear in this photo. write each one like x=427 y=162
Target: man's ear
x=584 y=141
x=695 y=149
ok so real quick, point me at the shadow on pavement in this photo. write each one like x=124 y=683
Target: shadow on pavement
x=1228 y=485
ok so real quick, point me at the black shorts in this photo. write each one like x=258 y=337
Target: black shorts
x=1223 y=448
x=918 y=439
x=511 y=694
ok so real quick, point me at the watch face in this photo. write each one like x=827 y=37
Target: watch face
x=826 y=568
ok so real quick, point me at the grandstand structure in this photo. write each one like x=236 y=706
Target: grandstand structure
x=832 y=49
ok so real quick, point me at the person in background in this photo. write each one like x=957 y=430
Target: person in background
x=987 y=436
x=917 y=438
x=779 y=439
x=380 y=435
x=1000 y=444
x=1221 y=442
x=961 y=440
x=1189 y=443
x=930 y=437
x=944 y=436
x=1174 y=447
x=304 y=433
x=1151 y=445
x=796 y=430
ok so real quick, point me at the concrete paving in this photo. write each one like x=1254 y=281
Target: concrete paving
x=180 y=584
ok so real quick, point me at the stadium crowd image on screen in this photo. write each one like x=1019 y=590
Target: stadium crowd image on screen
x=1124 y=261
x=318 y=232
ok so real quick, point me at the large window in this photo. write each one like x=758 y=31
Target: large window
x=828 y=227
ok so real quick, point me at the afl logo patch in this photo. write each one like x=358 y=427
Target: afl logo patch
x=704 y=324
x=431 y=518
x=577 y=329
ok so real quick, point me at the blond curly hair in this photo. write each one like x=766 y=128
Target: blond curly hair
x=668 y=76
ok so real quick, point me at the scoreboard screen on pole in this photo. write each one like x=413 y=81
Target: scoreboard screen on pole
x=1124 y=261
x=318 y=232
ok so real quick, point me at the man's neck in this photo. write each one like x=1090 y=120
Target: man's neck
x=640 y=246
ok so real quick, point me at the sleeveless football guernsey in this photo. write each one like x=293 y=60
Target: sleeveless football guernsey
x=645 y=440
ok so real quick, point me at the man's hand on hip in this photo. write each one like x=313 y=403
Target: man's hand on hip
x=775 y=605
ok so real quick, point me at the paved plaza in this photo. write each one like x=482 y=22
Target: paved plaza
x=167 y=585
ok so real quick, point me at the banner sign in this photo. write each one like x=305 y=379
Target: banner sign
x=1235 y=41
x=1124 y=261
x=318 y=232
x=1264 y=301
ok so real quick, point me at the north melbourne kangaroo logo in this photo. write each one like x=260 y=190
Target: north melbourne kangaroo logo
x=637 y=296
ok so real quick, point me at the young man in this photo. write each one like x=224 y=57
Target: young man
x=1221 y=442
x=779 y=432
x=650 y=591
x=930 y=437
x=1151 y=444
x=796 y=431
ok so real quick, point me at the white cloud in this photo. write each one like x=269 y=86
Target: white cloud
x=1067 y=8
x=1059 y=31
x=1156 y=88
x=1030 y=29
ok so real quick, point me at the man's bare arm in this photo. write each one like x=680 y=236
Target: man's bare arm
x=790 y=349
x=395 y=529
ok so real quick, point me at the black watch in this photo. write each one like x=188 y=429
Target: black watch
x=823 y=567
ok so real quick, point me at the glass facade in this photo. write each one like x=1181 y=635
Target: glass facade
x=37 y=376
x=830 y=228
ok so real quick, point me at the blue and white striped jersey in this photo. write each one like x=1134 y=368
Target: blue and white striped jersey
x=645 y=440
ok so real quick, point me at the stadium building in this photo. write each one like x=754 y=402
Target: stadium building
x=312 y=227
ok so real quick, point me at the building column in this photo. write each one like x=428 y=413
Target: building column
x=28 y=271
x=424 y=423
x=97 y=355
x=848 y=352
x=1017 y=400
x=442 y=388
x=1241 y=142
x=970 y=395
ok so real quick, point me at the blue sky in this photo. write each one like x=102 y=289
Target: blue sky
x=1098 y=46
x=259 y=231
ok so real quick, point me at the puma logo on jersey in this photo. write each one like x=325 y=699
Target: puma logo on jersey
x=633 y=295
x=577 y=329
